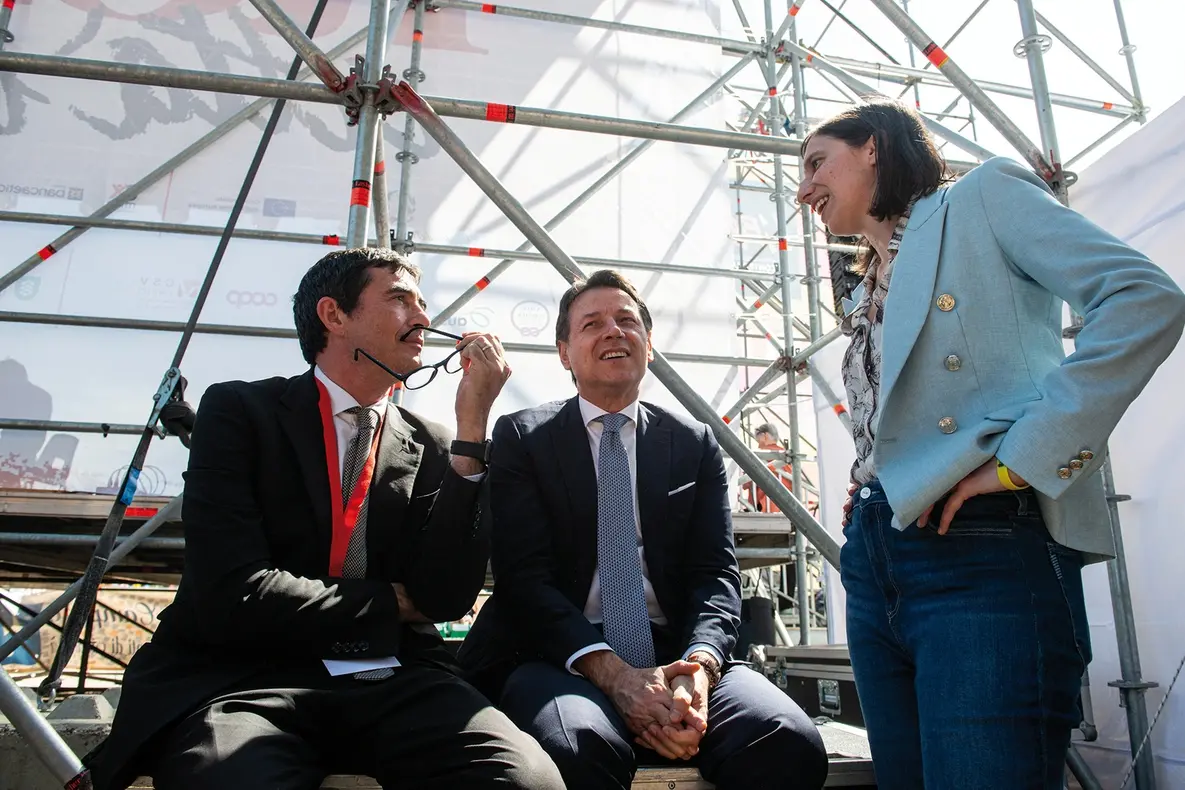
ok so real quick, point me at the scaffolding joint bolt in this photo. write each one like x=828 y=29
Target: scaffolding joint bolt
x=1040 y=41
x=8 y=37
x=1133 y=685
x=414 y=76
x=384 y=95
x=407 y=155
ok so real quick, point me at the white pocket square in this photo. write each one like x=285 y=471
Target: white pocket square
x=681 y=488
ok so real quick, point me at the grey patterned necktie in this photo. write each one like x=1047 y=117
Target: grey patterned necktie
x=354 y=565
x=619 y=567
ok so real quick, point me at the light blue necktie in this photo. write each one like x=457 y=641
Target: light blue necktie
x=619 y=567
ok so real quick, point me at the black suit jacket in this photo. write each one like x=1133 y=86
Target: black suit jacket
x=543 y=489
x=255 y=597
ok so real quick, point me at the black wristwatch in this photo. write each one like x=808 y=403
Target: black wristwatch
x=478 y=450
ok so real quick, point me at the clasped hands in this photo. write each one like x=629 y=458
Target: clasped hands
x=665 y=707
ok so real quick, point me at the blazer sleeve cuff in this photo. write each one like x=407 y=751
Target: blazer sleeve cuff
x=581 y=653
x=705 y=647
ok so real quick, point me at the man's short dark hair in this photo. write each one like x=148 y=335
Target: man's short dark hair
x=604 y=278
x=908 y=165
x=340 y=275
x=768 y=428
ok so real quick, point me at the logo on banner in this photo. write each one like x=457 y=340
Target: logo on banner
x=43 y=190
x=251 y=298
x=278 y=207
x=168 y=291
x=530 y=318
x=477 y=318
x=27 y=287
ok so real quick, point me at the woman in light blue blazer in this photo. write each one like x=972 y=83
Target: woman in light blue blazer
x=977 y=491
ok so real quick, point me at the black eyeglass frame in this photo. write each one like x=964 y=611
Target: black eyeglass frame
x=434 y=367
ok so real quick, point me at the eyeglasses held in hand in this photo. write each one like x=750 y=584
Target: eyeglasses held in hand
x=422 y=376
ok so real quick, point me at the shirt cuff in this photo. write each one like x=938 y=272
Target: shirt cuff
x=704 y=646
x=581 y=653
x=477 y=478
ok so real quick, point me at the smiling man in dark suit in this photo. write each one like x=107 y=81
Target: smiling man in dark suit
x=326 y=530
x=617 y=595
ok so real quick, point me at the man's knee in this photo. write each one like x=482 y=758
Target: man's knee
x=783 y=751
x=532 y=768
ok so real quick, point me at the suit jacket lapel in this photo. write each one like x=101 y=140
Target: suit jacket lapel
x=653 y=481
x=396 y=468
x=300 y=418
x=912 y=287
x=570 y=441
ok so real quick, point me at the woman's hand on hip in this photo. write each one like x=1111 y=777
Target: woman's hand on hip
x=983 y=480
x=847 y=507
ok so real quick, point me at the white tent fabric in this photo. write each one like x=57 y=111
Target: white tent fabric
x=69 y=145
x=1135 y=192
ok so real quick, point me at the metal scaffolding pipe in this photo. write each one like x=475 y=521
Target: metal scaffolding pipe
x=588 y=193
x=6 y=36
x=52 y=539
x=382 y=209
x=454 y=108
x=584 y=122
x=1132 y=686
x=312 y=238
x=46 y=744
x=309 y=52
x=837 y=404
x=980 y=100
x=1128 y=51
x=184 y=155
x=1030 y=48
x=414 y=75
x=369 y=119
x=687 y=395
x=150 y=325
x=1095 y=67
x=785 y=275
x=104 y=428
x=165 y=77
x=777 y=369
x=568 y=19
x=864 y=89
x=903 y=75
x=124 y=547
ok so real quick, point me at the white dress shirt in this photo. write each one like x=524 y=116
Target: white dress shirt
x=592 y=606
x=345 y=425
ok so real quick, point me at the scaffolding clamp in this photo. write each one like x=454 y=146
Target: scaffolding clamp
x=384 y=99
x=353 y=97
x=403 y=246
x=162 y=398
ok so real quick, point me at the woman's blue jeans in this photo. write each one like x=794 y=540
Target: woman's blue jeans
x=968 y=648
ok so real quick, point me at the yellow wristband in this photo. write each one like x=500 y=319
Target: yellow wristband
x=1005 y=479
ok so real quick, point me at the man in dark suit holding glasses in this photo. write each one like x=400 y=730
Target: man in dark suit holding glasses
x=326 y=530
x=617 y=596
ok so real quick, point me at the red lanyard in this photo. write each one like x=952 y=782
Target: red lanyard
x=343 y=521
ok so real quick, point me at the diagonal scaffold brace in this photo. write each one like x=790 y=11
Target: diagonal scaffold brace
x=101 y=558
x=799 y=516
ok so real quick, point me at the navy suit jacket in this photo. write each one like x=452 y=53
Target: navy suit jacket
x=543 y=490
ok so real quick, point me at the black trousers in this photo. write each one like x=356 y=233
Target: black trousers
x=420 y=728
x=757 y=737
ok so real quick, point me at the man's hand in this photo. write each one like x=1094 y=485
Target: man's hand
x=680 y=740
x=484 y=371
x=408 y=613
x=643 y=697
x=982 y=481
